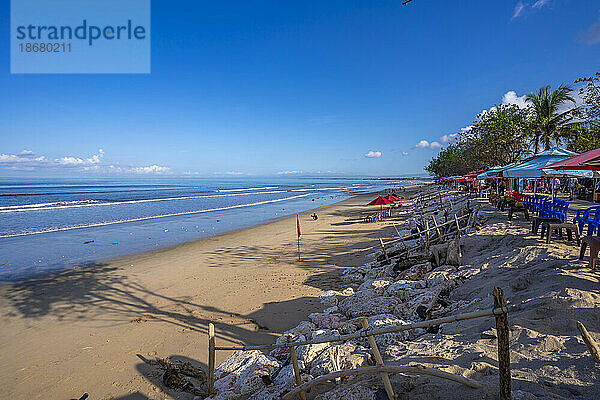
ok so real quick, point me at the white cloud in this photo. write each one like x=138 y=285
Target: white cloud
x=593 y=34
x=70 y=161
x=540 y=3
x=518 y=10
x=289 y=172
x=449 y=138
x=77 y=161
x=21 y=158
x=511 y=97
x=520 y=7
x=373 y=154
x=424 y=144
x=151 y=169
x=27 y=160
x=405 y=153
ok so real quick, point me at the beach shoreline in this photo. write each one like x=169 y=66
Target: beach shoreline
x=87 y=324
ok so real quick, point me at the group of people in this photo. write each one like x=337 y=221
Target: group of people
x=576 y=187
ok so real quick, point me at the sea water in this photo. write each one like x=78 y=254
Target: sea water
x=47 y=225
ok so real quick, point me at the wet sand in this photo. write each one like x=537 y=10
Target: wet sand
x=81 y=330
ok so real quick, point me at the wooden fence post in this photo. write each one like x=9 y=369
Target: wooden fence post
x=439 y=232
x=427 y=235
x=296 y=370
x=211 y=359
x=383 y=250
x=379 y=360
x=502 y=332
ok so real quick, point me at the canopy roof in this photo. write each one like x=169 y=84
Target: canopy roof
x=578 y=162
x=532 y=167
x=495 y=172
x=566 y=173
x=594 y=163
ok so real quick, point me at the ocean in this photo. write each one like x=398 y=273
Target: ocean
x=52 y=224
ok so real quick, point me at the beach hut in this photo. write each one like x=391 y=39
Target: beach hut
x=580 y=166
x=532 y=167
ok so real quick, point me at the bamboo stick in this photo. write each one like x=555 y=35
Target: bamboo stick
x=502 y=331
x=297 y=372
x=589 y=342
x=379 y=360
x=407 y=236
x=211 y=359
x=439 y=232
x=377 y=331
x=405 y=369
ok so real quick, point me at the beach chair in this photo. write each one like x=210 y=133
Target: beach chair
x=585 y=216
x=594 y=226
x=560 y=209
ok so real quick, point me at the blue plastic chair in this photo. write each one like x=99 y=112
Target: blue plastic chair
x=585 y=216
x=594 y=226
x=560 y=209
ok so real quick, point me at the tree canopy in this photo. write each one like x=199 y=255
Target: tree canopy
x=507 y=132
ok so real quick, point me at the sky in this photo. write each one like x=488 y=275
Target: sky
x=293 y=87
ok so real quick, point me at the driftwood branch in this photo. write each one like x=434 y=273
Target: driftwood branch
x=589 y=342
x=377 y=331
x=413 y=369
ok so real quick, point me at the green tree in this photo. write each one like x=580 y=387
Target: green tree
x=590 y=93
x=548 y=122
x=582 y=137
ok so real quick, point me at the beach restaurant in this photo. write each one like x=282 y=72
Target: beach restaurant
x=540 y=169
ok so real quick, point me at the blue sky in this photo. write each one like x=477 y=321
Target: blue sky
x=268 y=87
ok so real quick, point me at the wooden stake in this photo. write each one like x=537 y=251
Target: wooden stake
x=457 y=225
x=211 y=359
x=437 y=228
x=589 y=342
x=502 y=331
x=379 y=361
x=397 y=231
x=297 y=371
x=383 y=250
x=427 y=235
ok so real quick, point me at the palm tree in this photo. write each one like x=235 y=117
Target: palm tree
x=549 y=122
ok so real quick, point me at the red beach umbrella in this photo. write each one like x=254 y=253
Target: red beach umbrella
x=393 y=198
x=380 y=201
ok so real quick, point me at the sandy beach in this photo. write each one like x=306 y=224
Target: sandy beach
x=79 y=331
x=82 y=331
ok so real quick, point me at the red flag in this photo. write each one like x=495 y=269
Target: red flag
x=298 y=226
